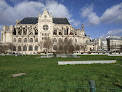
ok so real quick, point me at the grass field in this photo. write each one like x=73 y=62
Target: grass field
x=45 y=75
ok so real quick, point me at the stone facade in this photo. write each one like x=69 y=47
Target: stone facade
x=29 y=32
x=110 y=43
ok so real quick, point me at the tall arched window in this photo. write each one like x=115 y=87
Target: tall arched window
x=65 y=40
x=19 y=48
x=71 y=40
x=36 y=48
x=14 y=48
x=30 y=48
x=36 y=40
x=55 y=32
x=24 y=48
x=59 y=40
x=66 y=31
x=60 y=33
x=54 y=40
x=54 y=47
x=14 y=32
x=19 y=31
x=24 y=31
x=36 y=32
x=61 y=47
x=75 y=40
x=31 y=39
x=19 y=40
x=65 y=48
x=14 y=40
x=25 y=39
x=71 y=49
x=77 y=47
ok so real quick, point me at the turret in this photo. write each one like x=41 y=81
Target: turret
x=11 y=28
x=17 y=21
x=82 y=26
x=4 y=28
x=39 y=17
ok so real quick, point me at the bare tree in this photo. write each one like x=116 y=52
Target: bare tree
x=47 y=44
x=83 y=47
x=3 y=48
x=65 y=46
x=40 y=45
x=10 y=47
x=120 y=48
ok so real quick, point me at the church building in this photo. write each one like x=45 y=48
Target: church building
x=30 y=31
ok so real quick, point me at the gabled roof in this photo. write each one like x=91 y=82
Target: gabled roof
x=29 y=20
x=60 y=21
x=34 y=20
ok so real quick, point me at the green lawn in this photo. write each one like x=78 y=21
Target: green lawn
x=45 y=75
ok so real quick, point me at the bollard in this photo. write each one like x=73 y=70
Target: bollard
x=92 y=86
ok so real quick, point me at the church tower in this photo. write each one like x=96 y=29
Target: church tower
x=45 y=22
x=7 y=34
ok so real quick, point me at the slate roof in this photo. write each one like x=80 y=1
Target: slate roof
x=60 y=21
x=34 y=20
x=29 y=20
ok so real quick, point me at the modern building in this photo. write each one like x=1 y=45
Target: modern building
x=111 y=43
x=28 y=33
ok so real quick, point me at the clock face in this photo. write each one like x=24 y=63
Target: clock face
x=45 y=27
x=45 y=16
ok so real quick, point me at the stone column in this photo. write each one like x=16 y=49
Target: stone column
x=16 y=31
x=22 y=31
x=27 y=31
x=33 y=48
x=16 y=48
x=57 y=31
x=33 y=31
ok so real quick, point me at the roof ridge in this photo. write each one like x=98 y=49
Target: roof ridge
x=31 y=17
x=59 y=17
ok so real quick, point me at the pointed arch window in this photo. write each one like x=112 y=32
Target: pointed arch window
x=19 y=40
x=14 y=40
x=25 y=39
x=36 y=48
x=31 y=39
x=55 y=32
x=30 y=48
x=14 y=48
x=19 y=48
x=24 y=48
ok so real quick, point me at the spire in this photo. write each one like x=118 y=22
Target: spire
x=39 y=14
x=82 y=26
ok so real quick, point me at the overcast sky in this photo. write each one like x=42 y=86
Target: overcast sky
x=100 y=17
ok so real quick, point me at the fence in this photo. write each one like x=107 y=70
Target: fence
x=56 y=88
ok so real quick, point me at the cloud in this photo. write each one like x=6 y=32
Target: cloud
x=111 y=15
x=76 y=23
x=92 y=18
x=71 y=20
x=55 y=7
x=9 y=14
x=115 y=32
